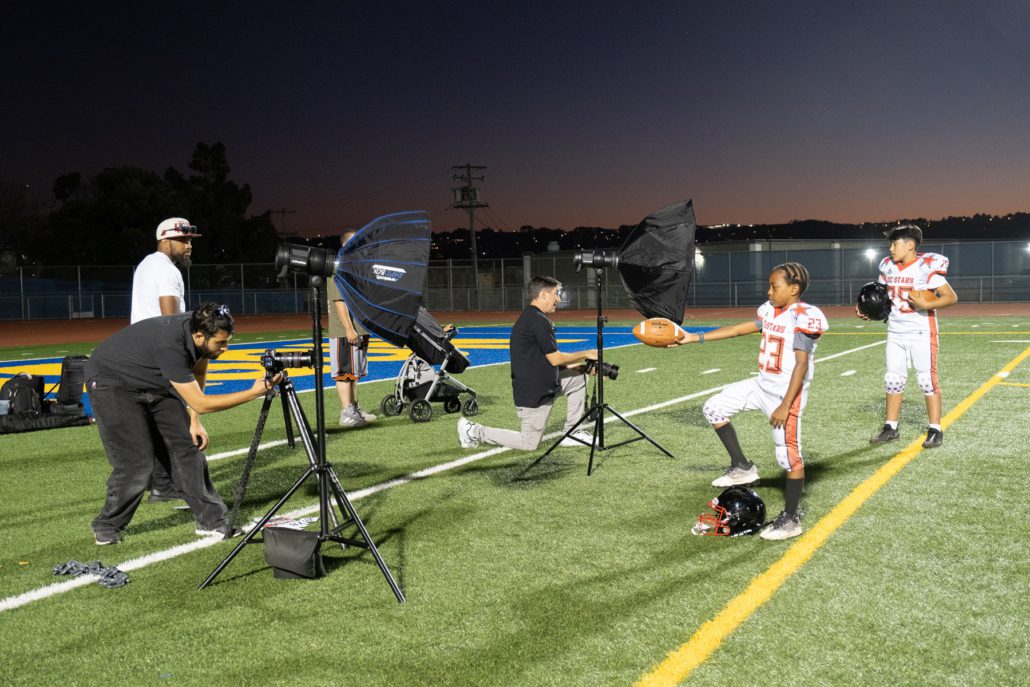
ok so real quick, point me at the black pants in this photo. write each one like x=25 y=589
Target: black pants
x=129 y=423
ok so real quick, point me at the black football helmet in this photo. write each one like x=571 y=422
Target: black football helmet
x=738 y=511
x=874 y=302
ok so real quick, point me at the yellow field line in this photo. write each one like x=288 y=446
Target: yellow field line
x=684 y=660
x=1026 y=386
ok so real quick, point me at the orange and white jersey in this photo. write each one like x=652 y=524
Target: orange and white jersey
x=927 y=271
x=780 y=329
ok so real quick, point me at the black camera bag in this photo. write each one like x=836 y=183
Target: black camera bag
x=25 y=393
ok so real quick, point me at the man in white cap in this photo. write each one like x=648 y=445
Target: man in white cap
x=157 y=286
x=158 y=289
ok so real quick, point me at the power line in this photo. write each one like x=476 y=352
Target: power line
x=467 y=197
x=282 y=212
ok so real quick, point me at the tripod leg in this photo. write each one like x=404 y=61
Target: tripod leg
x=341 y=497
x=306 y=436
x=286 y=421
x=638 y=431
x=257 y=528
x=598 y=434
x=241 y=486
x=562 y=438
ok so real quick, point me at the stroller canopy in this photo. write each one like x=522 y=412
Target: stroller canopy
x=430 y=342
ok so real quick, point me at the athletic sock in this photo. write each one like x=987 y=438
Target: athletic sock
x=728 y=436
x=893 y=424
x=937 y=427
x=793 y=495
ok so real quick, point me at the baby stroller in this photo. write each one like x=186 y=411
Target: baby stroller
x=421 y=384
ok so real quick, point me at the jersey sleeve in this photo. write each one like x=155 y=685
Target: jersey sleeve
x=884 y=265
x=811 y=321
x=763 y=311
x=937 y=270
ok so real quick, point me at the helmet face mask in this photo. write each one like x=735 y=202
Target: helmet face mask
x=874 y=301
x=738 y=511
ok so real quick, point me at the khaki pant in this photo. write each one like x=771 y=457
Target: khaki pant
x=534 y=420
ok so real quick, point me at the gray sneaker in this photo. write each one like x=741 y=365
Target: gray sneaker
x=783 y=527
x=105 y=538
x=366 y=416
x=734 y=476
x=349 y=417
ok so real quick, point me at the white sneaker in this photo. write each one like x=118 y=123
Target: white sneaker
x=351 y=418
x=735 y=476
x=584 y=440
x=465 y=434
x=367 y=417
x=783 y=527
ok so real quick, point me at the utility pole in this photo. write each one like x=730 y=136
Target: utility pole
x=282 y=212
x=467 y=198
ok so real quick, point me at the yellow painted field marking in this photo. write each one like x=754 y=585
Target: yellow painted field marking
x=1025 y=386
x=684 y=660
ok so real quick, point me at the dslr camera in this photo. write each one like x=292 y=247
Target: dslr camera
x=607 y=369
x=275 y=362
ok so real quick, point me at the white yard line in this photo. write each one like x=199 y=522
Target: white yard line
x=41 y=593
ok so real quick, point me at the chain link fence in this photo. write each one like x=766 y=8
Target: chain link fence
x=980 y=272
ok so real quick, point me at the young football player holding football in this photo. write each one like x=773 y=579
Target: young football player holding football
x=790 y=329
x=918 y=288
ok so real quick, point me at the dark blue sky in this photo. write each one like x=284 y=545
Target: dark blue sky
x=591 y=113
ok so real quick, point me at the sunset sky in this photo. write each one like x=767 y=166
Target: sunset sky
x=584 y=113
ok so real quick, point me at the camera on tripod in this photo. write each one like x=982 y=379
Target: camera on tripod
x=275 y=362
x=595 y=259
x=609 y=370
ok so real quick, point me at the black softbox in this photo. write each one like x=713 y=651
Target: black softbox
x=380 y=273
x=657 y=262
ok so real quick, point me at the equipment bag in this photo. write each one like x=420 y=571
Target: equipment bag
x=293 y=554
x=69 y=394
x=24 y=394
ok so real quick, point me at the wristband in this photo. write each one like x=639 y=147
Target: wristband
x=700 y=337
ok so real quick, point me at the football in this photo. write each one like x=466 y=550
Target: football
x=930 y=295
x=658 y=332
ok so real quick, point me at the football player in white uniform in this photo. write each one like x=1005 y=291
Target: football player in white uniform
x=790 y=329
x=918 y=287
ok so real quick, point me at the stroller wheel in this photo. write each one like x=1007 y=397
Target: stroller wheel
x=391 y=406
x=420 y=411
x=451 y=405
x=470 y=408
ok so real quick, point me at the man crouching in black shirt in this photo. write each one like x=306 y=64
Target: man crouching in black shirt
x=539 y=372
x=146 y=385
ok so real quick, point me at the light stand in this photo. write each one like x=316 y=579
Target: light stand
x=318 y=466
x=598 y=407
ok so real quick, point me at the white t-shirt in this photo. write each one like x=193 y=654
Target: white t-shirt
x=776 y=353
x=155 y=276
x=928 y=271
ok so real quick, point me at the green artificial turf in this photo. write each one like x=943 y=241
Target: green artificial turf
x=522 y=574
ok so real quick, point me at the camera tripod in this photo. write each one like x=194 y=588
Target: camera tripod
x=318 y=466
x=597 y=408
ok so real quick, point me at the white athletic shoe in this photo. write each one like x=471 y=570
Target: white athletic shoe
x=465 y=436
x=735 y=476
x=585 y=440
x=366 y=416
x=351 y=418
x=783 y=527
